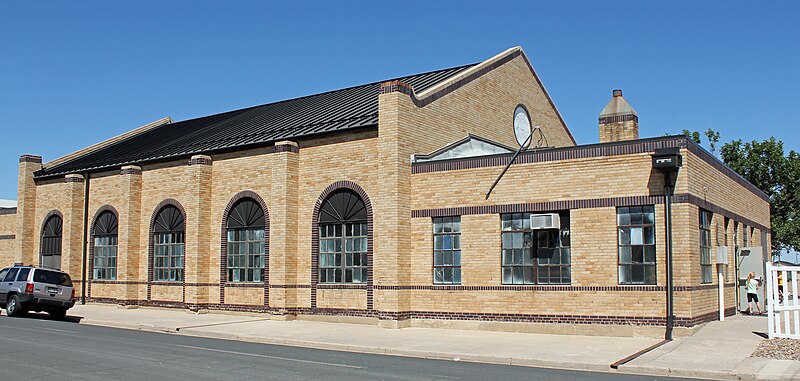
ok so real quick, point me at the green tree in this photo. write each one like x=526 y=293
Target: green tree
x=694 y=135
x=778 y=175
x=713 y=139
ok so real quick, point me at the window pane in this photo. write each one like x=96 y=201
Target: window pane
x=624 y=236
x=637 y=237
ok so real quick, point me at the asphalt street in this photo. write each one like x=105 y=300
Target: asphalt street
x=37 y=348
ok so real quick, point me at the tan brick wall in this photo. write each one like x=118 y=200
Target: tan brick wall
x=352 y=299
x=619 y=131
x=245 y=296
x=8 y=247
x=164 y=293
x=290 y=184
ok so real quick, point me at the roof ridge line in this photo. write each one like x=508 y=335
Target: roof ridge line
x=334 y=91
x=105 y=143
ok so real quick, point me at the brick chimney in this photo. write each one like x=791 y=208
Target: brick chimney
x=618 y=121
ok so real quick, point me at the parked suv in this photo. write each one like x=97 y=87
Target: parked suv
x=27 y=288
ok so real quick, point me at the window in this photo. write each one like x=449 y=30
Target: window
x=168 y=245
x=11 y=275
x=706 y=262
x=745 y=241
x=52 y=277
x=637 y=244
x=105 y=246
x=343 y=239
x=23 y=274
x=246 y=242
x=447 y=250
x=535 y=256
x=51 y=243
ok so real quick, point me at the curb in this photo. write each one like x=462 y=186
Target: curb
x=431 y=355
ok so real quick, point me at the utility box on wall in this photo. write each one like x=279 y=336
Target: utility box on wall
x=722 y=255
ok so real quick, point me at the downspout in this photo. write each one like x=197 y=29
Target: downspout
x=668 y=245
x=85 y=231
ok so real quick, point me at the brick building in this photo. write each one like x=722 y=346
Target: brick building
x=369 y=204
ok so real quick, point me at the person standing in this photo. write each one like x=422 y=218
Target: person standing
x=752 y=293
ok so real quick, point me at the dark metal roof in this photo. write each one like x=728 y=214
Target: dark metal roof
x=329 y=112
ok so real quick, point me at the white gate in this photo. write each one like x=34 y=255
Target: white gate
x=783 y=310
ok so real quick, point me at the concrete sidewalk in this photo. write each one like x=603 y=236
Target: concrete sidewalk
x=719 y=350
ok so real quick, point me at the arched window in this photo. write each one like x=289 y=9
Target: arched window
x=51 y=243
x=343 y=238
x=104 y=251
x=246 y=242
x=168 y=244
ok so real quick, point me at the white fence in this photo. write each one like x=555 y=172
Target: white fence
x=783 y=310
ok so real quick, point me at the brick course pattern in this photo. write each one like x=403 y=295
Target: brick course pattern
x=291 y=178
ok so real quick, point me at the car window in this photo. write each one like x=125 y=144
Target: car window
x=52 y=277
x=23 y=274
x=11 y=274
x=3 y=273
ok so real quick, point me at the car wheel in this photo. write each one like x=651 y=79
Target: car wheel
x=58 y=314
x=13 y=307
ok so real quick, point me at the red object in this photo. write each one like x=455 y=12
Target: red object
x=73 y=293
x=29 y=288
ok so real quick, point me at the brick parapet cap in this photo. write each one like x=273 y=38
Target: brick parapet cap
x=30 y=159
x=286 y=146
x=396 y=86
x=73 y=178
x=200 y=160
x=130 y=170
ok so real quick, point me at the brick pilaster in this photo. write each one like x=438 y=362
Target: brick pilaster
x=392 y=202
x=130 y=254
x=197 y=263
x=283 y=225
x=26 y=209
x=72 y=239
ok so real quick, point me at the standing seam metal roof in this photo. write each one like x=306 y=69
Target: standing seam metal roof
x=328 y=112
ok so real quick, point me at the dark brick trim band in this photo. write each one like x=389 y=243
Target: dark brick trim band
x=167 y=283
x=290 y=286
x=223 y=249
x=130 y=171
x=90 y=244
x=222 y=286
x=200 y=160
x=546 y=206
x=701 y=203
x=286 y=148
x=539 y=206
x=73 y=179
x=617 y=119
x=439 y=315
x=720 y=166
x=30 y=159
x=396 y=86
x=6 y=211
x=315 y=238
x=7 y=236
x=329 y=286
x=551 y=288
x=151 y=246
x=119 y=282
x=52 y=213
x=553 y=154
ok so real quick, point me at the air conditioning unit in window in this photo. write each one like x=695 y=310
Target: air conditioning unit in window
x=545 y=221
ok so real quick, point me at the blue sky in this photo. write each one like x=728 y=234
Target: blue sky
x=75 y=73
